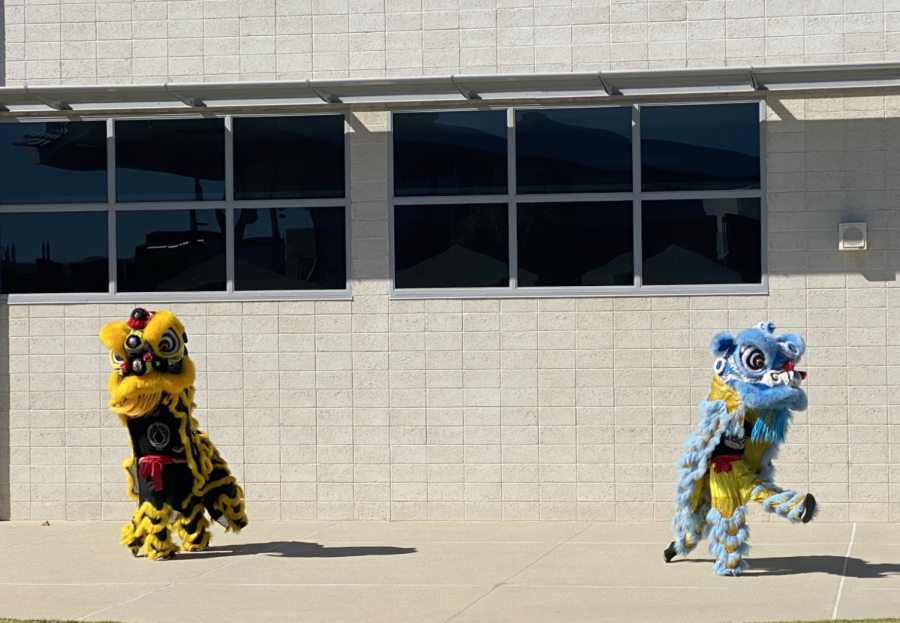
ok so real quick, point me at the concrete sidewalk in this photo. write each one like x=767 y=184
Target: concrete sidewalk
x=435 y=572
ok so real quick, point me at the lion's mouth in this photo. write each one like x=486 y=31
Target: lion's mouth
x=791 y=378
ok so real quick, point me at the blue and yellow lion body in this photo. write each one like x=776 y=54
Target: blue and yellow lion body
x=728 y=460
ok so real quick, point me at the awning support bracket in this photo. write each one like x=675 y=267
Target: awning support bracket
x=193 y=102
x=47 y=101
x=328 y=98
x=466 y=93
x=603 y=84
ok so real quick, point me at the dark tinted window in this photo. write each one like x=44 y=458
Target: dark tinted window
x=702 y=241
x=575 y=244
x=171 y=250
x=60 y=162
x=700 y=147
x=170 y=160
x=577 y=150
x=451 y=246
x=289 y=157
x=58 y=252
x=450 y=153
x=290 y=249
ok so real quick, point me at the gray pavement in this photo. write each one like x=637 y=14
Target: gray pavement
x=434 y=572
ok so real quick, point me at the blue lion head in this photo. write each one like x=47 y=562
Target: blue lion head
x=761 y=367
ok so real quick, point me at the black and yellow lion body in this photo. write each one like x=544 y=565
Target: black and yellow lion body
x=175 y=473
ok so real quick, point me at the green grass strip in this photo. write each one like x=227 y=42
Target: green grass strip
x=837 y=621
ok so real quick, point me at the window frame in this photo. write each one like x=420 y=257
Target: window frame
x=229 y=205
x=636 y=196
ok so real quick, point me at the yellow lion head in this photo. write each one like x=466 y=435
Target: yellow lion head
x=149 y=354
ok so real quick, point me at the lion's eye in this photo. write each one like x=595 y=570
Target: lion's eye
x=116 y=359
x=169 y=343
x=753 y=359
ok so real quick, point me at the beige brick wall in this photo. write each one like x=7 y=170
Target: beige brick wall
x=123 y=41
x=555 y=409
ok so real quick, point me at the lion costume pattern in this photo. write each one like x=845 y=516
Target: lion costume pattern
x=728 y=460
x=176 y=473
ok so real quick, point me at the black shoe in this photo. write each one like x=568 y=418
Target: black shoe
x=809 y=507
x=670 y=552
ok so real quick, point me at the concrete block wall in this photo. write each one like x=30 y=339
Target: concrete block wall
x=124 y=41
x=554 y=409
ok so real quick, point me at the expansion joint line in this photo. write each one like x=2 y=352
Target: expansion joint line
x=837 y=597
x=519 y=572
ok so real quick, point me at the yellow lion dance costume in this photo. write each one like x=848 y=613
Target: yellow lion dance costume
x=176 y=474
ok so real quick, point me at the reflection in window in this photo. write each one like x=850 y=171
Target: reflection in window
x=450 y=153
x=701 y=241
x=59 y=162
x=578 y=150
x=170 y=250
x=290 y=249
x=170 y=160
x=451 y=246
x=288 y=157
x=700 y=147
x=54 y=252
x=575 y=244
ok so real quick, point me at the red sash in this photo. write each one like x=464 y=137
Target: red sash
x=152 y=468
x=723 y=463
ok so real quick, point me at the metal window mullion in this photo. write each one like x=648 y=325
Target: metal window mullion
x=348 y=238
x=391 y=201
x=55 y=207
x=449 y=199
x=575 y=197
x=171 y=205
x=512 y=189
x=112 y=247
x=763 y=198
x=229 y=205
x=741 y=193
x=637 y=232
x=262 y=204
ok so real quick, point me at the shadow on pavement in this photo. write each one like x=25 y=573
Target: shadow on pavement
x=797 y=565
x=296 y=549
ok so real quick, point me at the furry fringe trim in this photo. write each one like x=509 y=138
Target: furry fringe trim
x=689 y=529
x=720 y=569
x=149 y=527
x=729 y=559
x=787 y=504
x=136 y=406
x=771 y=426
x=128 y=465
x=155 y=548
x=733 y=523
x=198 y=544
x=232 y=509
x=728 y=541
x=199 y=540
x=130 y=539
x=715 y=421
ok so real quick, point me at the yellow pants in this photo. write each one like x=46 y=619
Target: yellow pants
x=729 y=490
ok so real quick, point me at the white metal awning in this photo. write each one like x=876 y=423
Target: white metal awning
x=493 y=87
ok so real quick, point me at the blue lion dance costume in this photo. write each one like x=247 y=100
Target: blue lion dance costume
x=728 y=460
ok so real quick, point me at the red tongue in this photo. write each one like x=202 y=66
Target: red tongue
x=789 y=367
